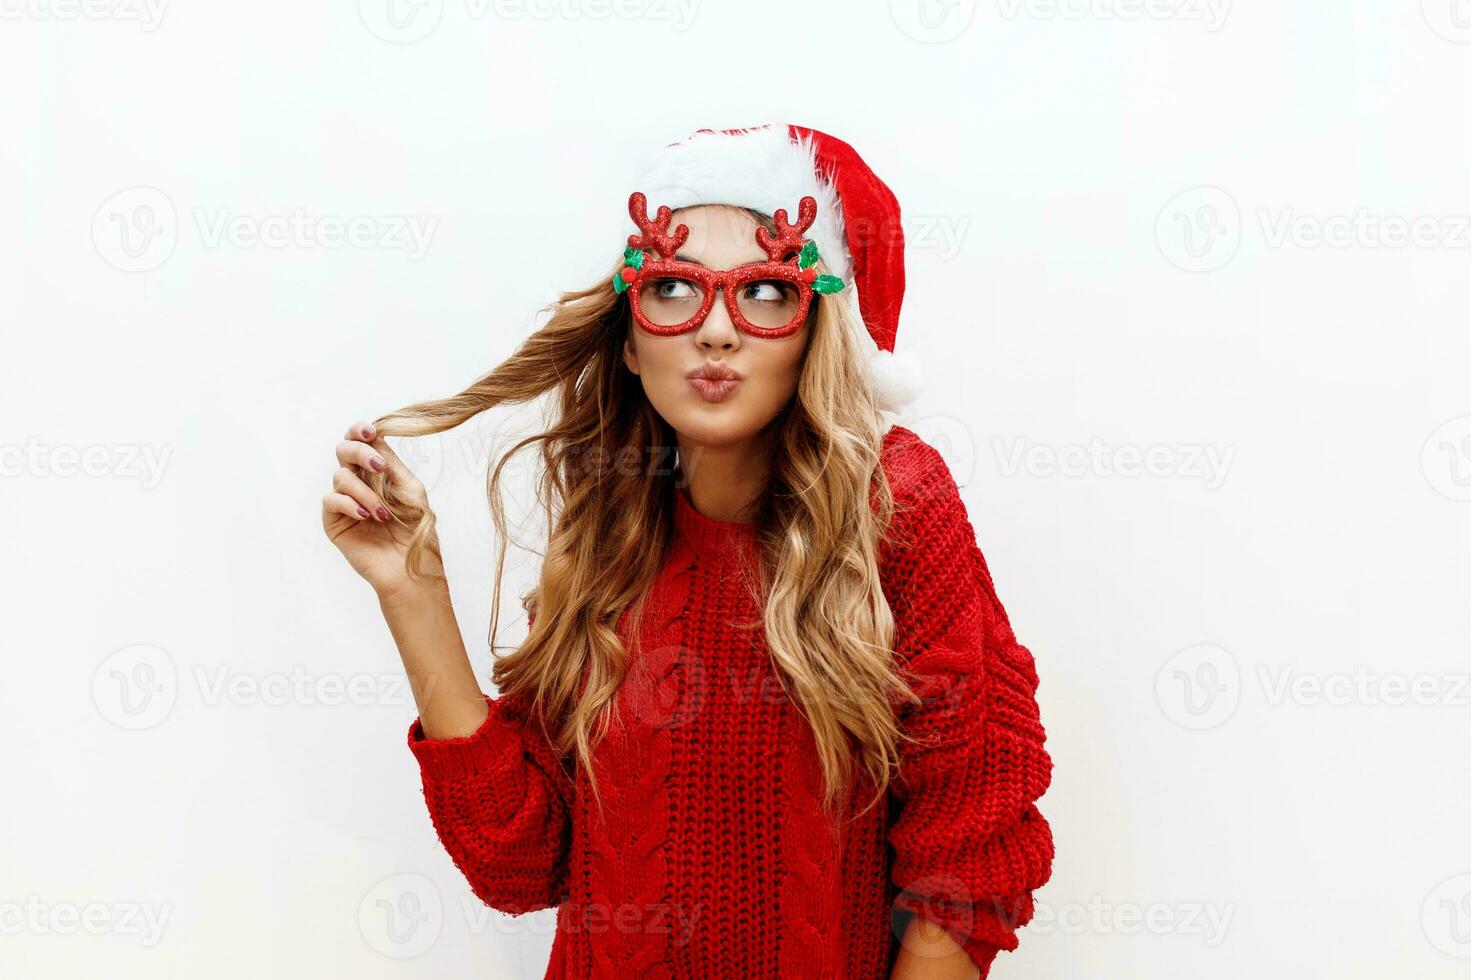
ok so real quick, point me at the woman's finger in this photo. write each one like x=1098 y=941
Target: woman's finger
x=348 y=482
x=362 y=431
x=360 y=454
x=398 y=472
x=341 y=503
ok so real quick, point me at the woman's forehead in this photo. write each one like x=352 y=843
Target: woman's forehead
x=720 y=235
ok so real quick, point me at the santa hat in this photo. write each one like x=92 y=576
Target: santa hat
x=857 y=230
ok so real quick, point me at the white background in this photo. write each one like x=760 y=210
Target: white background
x=1164 y=228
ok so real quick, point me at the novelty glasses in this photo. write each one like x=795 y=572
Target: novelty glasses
x=670 y=296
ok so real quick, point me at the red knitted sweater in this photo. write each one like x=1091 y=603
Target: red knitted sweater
x=712 y=862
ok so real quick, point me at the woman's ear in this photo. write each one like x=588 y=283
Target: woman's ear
x=630 y=356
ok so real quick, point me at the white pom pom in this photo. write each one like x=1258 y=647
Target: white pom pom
x=896 y=378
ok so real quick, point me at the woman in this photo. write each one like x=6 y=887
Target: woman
x=771 y=719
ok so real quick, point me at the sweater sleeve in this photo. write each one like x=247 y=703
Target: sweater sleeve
x=499 y=802
x=969 y=842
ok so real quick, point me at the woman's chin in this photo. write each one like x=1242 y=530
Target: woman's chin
x=716 y=424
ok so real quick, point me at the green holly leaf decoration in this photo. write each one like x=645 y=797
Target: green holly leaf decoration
x=808 y=258
x=619 y=285
x=634 y=257
x=827 y=284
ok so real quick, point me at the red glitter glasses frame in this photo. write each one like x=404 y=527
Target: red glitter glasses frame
x=781 y=247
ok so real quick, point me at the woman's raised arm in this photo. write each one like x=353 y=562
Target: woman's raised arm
x=495 y=790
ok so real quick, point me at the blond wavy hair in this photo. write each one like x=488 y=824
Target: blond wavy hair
x=827 y=624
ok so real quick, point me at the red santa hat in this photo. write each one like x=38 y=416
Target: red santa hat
x=857 y=230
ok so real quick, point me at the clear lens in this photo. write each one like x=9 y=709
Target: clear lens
x=669 y=302
x=768 y=303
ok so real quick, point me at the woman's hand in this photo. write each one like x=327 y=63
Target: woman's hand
x=356 y=520
x=375 y=544
x=928 y=953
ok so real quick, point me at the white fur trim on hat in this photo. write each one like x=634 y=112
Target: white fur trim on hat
x=760 y=168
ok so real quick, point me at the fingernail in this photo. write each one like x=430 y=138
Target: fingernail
x=367 y=432
x=364 y=511
x=377 y=463
x=382 y=513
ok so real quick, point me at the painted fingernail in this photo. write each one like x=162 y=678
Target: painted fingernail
x=364 y=511
x=377 y=463
x=367 y=432
x=382 y=513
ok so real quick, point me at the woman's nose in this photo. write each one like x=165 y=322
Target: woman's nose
x=718 y=330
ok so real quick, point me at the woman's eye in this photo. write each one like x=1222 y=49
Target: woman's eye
x=766 y=291
x=674 y=288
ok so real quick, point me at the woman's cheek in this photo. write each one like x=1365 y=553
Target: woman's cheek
x=790 y=369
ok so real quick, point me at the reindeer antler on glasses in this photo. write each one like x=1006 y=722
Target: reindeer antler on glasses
x=654 y=232
x=788 y=237
x=784 y=246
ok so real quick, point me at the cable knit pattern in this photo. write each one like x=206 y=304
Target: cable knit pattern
x=809 y=897
x=715 y=859
x=970 y=844
x=498 y=799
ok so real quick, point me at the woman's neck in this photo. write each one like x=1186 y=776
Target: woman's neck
x=725 y=482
